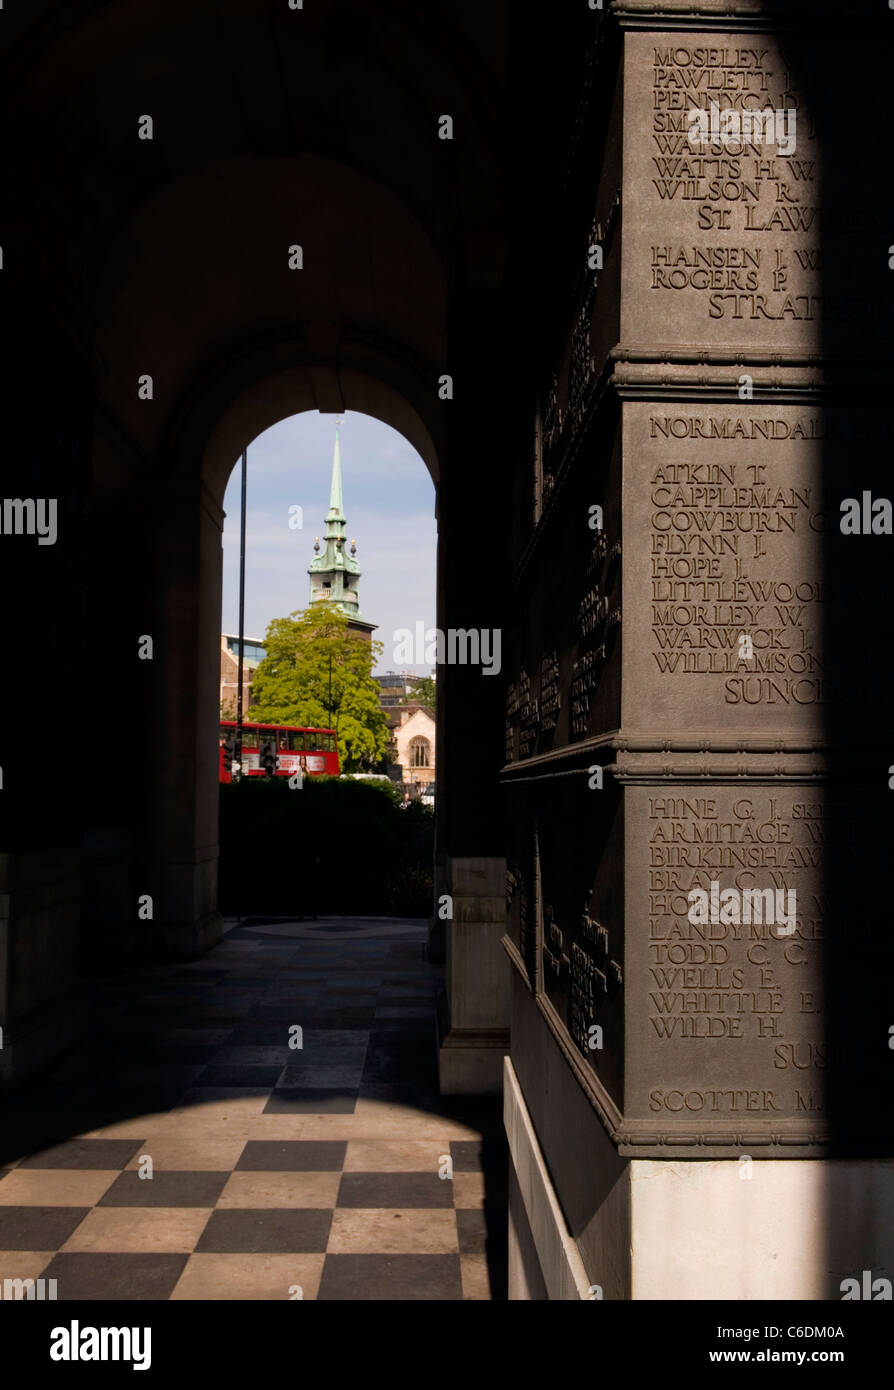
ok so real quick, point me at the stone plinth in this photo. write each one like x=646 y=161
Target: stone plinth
x=473 y=1024
x=39 y=925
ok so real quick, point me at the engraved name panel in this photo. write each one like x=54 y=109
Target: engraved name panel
x=726 y=598
x=738 y=205
x=729 y=1010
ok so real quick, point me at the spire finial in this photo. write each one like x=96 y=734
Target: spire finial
x=335 y=503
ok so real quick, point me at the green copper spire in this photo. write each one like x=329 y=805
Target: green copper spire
x=335 y=574
x=336 y=513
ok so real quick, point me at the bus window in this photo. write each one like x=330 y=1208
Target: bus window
x=249 y=736
x=283 y=739
x=296 y=743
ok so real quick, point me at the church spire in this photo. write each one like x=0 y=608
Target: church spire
x=336 y=506
x=334 y=572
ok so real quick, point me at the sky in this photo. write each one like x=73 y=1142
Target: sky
x=389 y=503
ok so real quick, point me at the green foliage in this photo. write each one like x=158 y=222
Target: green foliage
x=334 y=846
x=292 y=684
x=391 y=789
x=423 y=693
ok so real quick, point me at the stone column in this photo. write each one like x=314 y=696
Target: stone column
x=40 y=1006
x=181 y=702
x=47 y=753
x=473 y=1029
x=473 y=1021
x=437 y=926
x=699 y=1033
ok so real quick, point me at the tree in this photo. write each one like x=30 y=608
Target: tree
x=306 y=654
x=423 y=693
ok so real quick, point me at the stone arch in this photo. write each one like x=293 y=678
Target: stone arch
x=186 y=590
x=266 y=380
x=169 y=258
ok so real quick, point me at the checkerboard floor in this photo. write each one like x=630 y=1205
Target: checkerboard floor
x=191 y=1149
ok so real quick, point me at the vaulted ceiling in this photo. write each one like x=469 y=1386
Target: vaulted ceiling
x=272 y=127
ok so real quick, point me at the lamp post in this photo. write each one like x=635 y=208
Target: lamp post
x=238 y=758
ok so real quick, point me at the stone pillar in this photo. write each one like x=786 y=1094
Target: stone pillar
x=111 y=675
x=696 y=857
x=473 y=1018
x=40 y=1006
x=46 y=747
x=181 y=700
x=473 y=1024
x=438 y=922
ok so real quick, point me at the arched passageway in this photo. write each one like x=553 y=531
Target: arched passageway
x=252 y=215
x=562 y=318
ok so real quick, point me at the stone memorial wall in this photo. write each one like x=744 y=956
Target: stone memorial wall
x=673 y=709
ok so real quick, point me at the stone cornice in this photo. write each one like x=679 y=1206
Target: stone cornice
x=732 y=16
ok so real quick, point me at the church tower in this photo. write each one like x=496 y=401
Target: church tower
x=335 y=574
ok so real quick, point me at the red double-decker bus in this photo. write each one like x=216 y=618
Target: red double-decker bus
x=279 y=750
